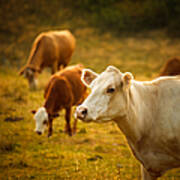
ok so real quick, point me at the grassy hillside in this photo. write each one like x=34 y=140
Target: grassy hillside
x=95 y=152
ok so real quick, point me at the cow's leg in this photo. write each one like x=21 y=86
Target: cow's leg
x=62 y=66
x=68 y=118
x=75 y=125
x=50 y=129
x=145 y=174
x=54 y=67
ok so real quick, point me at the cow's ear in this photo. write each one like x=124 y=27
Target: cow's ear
x=33 y=111
x=55 y=115
x=33 y=69
x=88 y=76
x=126 y=79
x=112 y=69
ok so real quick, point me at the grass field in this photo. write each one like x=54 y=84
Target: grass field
x=97 y=151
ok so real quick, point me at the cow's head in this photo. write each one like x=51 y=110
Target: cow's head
x=108 y=97
x=42 y=119
x=30 y=74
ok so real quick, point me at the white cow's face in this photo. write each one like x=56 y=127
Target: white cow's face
x=108 y=97
x=41 y=119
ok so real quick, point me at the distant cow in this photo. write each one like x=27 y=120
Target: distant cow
x=171 y=67
x=148 y=113
x=63 y=91
x=50 y=49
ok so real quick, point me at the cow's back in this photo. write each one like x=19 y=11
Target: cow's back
x=64 y=43
x=73 y=77
x=52 y=46
x=171 y=67
x=65 y=89
x=164 y=110
x=169 y=101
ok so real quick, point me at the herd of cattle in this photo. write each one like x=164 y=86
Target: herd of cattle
x=148 y=113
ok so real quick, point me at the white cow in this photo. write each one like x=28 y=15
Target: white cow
x=148 y=113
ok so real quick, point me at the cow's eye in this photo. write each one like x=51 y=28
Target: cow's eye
x=110 y=90
x=45 y=122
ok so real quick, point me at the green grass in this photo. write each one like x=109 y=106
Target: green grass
x=95 y=152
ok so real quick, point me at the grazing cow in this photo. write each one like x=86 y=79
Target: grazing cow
x=148 y=113
x=64 y=90
x=50 y=49
x=171 y=67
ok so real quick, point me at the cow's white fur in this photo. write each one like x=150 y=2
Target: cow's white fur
x=148 y=113
x=41 y=116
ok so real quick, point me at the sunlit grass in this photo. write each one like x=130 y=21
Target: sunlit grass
x=97 y=151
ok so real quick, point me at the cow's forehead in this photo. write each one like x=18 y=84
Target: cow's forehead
x=41 y=114
x=106 y=78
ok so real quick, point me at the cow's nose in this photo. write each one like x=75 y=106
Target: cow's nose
x=39 y=132
x=84 y=111
x=81 y=112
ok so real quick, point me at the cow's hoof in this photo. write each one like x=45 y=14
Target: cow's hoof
x=49 y=135
x=74 y=132
x=70 y=133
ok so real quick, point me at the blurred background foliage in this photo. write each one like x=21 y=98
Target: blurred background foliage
x=130 y=15
x=22 y=20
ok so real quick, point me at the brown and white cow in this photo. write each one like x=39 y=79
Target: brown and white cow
x=64 y=90
x=148 y=113
x=50 y=49
x=171 y=67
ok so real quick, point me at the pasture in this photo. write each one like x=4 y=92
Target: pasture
x=97 y=151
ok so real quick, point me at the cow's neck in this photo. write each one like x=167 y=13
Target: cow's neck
x=49 y=106
x=35 y=60
x=139 y=113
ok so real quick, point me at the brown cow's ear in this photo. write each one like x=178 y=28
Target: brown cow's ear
x=33 y=69
x=33 y=111
x=55 y=115
x=88 y=76
x=126 y=79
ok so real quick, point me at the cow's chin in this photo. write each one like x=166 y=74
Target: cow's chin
x=103 y=120
x=86 y=120
x=97 y=120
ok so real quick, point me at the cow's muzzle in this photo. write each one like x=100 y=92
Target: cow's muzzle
x=81 y=112
x=39 y=132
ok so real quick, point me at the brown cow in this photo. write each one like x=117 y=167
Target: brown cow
x=171 y=67
x=63 y=91
x=50 y=49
